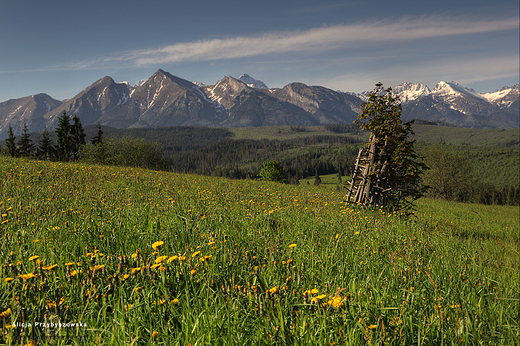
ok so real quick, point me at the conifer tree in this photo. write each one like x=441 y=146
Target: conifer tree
x=10 y=142
x=25 y=146
x=77 y=136
x=63 y=139
x=45 y=148
x=98 y=139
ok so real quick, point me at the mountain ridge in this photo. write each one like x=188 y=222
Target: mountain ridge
x=168 y=100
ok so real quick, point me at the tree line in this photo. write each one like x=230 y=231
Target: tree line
x=70 y=136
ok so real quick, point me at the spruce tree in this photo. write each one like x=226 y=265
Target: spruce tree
x=25 y=146
x=98 y=139
x=45 y=148
x=77 y=136
x=64 y=142
x=10 y=142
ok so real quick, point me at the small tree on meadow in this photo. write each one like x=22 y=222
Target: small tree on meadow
x=391 y=175
x=449 y=176
x=273 y=171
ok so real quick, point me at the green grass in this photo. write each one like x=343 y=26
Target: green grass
x=242 y=259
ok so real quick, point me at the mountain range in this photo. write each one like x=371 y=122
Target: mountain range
x=167 y=100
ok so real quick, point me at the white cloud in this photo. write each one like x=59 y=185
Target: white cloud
x=313 y=40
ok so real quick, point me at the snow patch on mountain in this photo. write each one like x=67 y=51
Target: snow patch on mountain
x=251 y=82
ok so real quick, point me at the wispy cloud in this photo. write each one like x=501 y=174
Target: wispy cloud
x=313 y=40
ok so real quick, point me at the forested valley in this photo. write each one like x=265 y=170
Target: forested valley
x=483 y=173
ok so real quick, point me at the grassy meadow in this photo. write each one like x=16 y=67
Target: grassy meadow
x=102 y=255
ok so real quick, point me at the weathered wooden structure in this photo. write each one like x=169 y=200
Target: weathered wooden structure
x=369 y=185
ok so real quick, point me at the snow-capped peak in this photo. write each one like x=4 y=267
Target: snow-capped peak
x=411 y=91
x=251 y=82
x=498 y=94
x=453 y=89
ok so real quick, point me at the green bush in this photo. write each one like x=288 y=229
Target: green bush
x=273 y=171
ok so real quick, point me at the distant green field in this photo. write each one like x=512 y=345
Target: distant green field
x=423 y=133
x=137 y=257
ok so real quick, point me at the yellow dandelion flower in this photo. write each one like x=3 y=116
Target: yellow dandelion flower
x=172 y=258
x=135 y=270
x=318 y=298
x=27 y=276
x=155 y=266
x=211 y=243
x=157 y=244
x=292 y=245
x=193 y=271
x=274 y=290
x=32 y=258
x=182 y=258
x=68 y=264
x=163 y=269
x=356 y=233
x=155 y=334
x=5 y=313
x=126 y=276
x=314 y=291
x=174 y=301
x=336 y=302
x=160 y=259
x=75 y=272
x=8 y=279
x=51 y=305
x=372 y=327
x=49 y=267
x=97 y=267
x=195 y=253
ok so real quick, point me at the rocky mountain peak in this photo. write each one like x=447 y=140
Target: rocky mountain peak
x=411 y=91
x=251 y=82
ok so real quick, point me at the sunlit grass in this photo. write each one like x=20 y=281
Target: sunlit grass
x=147 y=257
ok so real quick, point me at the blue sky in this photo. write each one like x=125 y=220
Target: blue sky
x=61 y=47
